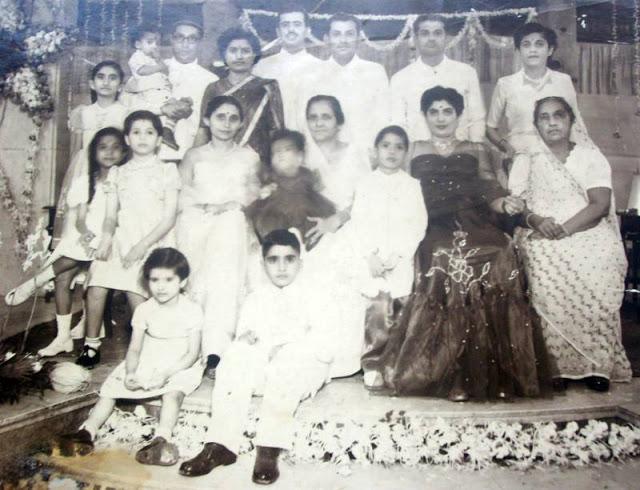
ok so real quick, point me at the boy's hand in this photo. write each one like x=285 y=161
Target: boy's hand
x=248 y=337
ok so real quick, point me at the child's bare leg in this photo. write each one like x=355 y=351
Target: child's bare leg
x=161 y=451
x=171 y=403
x=80 y=442
x=98 y=415
x=134 y=300
x=63 y=293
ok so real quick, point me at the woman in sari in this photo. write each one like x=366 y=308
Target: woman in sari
x=260 y=98
x=467 y=330
x=572 y=250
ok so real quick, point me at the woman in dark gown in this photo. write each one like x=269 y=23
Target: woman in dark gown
x=468 y=329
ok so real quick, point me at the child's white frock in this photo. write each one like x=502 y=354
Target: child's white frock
x=141 y=188
x=167 y=332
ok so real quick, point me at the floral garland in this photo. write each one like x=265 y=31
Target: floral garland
x=407 y=439
x=472 y=26
x=25 y=82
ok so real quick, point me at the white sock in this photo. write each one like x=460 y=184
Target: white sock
x=93 y=342
x=164 y=432
x=64 y=326
x=90 y=429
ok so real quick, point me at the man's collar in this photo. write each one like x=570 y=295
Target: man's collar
x=537 y=83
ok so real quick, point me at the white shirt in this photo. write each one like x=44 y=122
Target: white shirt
x=514 y=98
x=408 y=85
x=154 y=81
x=280 y=316
x=389 y=217
x=187 y=80
x=361 y=87
x=288 y=69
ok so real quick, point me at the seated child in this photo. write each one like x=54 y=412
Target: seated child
x=162 y=360
x=296 y=196
x=388 y=221
x=149 y=81
x=281 y=350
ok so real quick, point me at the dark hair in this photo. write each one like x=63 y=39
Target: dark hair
x=531 y=28
x=142 y=116
x=295 y=137
x=342 y=17
x=166 y=258
x=293 y=7
x=238 y=33
x=280 y=237
x=218 y=101
x=428 y=18
x=397 y=130
x=554 y=98
x=138 y=33
x=332 y=101
x=187 y=22
x=452 y=96
x=94 y=166
x=94 y=71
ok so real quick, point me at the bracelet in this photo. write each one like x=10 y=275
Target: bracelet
x=527 y=220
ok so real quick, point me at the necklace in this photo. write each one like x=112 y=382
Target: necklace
x=443 y=146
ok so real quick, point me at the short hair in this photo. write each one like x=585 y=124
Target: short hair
x=190 y=23
x=295 y=137
x=235 y=33
x=166 y=258
x=293 y=7
x=428 y=18
x=281 y=237
x=342 y=17
x=94 y=71
x=397 y=130
x=452 y=96
x=332 y=101
x=553 y=98
x=219 y=100
x=142 y=116
x=531 y=28
x=138 y=33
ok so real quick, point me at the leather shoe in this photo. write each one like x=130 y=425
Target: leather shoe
x=77 y=443
x=212 y=455
x=597 y=383
x=265 y=469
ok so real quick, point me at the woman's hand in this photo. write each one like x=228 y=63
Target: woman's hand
x=322 y=227
x=513 y=205
x=134 y=255
x=131 y=382
x=104 y=248
x=547 y=227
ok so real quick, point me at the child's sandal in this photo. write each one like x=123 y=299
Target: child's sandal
x=158 y=452
x=77 y=443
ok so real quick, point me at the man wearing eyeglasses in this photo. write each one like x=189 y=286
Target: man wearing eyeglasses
x=189 y=81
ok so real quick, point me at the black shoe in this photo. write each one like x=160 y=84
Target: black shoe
x=158 y=452
x=77 y=443
x=597 y=383
x=88 y=361
x=560 y=384
x=169 y=139
x=265 y=469
x=212 y=455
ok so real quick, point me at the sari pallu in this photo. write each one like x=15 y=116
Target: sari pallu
x=576 y=284
x=262 y=107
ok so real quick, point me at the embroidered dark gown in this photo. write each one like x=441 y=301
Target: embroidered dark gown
x=469 y=315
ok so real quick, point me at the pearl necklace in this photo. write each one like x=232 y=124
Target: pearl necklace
x=444 y=147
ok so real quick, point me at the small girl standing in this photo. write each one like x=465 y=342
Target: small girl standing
x=161 y=360
x=220 y=179
x=105 y=81
x=141 y=211
x=86 y=201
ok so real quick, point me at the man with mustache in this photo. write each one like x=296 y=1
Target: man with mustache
x=430 y=69
x=292 y=61
x=361 y=87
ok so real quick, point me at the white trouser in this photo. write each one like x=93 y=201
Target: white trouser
x=292 y=375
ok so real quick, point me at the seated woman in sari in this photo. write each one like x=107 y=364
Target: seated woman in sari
x=467 y=331
x=572 y=251
x=260 y=98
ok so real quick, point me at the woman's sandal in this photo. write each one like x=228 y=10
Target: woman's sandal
x=22 y=293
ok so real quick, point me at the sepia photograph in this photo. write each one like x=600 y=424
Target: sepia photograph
x=319 y=244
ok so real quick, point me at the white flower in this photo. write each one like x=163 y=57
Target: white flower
x=9 y=355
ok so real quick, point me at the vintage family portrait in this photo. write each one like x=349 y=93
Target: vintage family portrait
x=319 y=244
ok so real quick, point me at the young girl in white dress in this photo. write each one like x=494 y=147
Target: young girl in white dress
x=86 y=200
x=142 y=200
x=219 y=179
x=162 y=360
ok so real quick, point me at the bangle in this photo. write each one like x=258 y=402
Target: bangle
x=527 y=220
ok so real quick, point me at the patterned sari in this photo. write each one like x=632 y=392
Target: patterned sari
x=576 y=283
